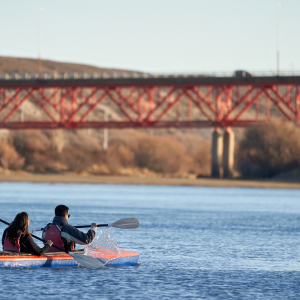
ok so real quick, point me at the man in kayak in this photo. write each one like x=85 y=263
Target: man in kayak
x=64 y=235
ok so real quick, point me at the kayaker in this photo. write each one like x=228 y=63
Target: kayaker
x=17 y=238
x=64 y=235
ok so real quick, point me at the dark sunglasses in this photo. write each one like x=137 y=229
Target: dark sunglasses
x=69 y=215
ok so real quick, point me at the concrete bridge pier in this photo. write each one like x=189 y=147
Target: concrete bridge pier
x=228 y=153
x=217 y=153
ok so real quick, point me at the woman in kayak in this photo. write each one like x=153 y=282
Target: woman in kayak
x=17 y=238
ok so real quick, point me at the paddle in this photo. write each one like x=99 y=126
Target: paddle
x=84 y=261
x=127 y=223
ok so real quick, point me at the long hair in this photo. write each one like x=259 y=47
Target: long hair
x=17 y=228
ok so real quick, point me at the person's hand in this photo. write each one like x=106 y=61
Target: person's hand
x=50 y=243
x=94 y=225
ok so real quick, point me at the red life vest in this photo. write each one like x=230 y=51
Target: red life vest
x=7 y=246
x=53 y=234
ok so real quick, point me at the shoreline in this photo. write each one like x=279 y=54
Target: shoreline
x=104 y=179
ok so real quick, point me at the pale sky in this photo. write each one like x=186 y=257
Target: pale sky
x=164 y=36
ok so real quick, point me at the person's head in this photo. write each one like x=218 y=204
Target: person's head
x=62 y=211
x=18 y=227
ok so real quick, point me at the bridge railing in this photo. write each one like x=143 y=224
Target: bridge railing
x=135 y=75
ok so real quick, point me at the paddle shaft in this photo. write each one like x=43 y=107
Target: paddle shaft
x=86 y=226
x=127 y=223
x=36 y=237
x=82 y=226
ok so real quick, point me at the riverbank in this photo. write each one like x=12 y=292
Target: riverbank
x=210 y=182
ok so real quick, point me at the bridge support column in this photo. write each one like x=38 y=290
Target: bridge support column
x=217 y=151
x=228 y=153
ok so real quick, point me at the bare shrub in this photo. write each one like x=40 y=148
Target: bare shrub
x=118 y=155
x=126 y=155
x=56 y=139
x=9 y=157
x=162 y=154
x=77 y=160
x=159 y=154
x=122 y=151
x=198 y=150
x=40 y=155
x=30 y=141
x=269 y=149
x=41 y=163
x=81 y=140
x=112 y=160
x=188 y=154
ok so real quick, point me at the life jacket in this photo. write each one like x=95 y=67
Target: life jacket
x=7 y=246
x=53 y=233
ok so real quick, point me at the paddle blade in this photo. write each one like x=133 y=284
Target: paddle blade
x=87 y=261
x=127 y=223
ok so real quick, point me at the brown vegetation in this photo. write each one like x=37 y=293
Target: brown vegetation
x=268 y=150
x=263 y=152
x=9 y=157
x=78 y=152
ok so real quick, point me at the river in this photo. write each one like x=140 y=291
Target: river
x=194 y=242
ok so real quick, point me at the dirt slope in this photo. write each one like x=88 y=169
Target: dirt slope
x=28 y=65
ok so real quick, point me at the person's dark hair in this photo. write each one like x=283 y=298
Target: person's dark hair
x=61 y=210
x=18 y=227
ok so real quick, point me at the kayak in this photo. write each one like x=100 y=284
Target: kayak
x=62 y=260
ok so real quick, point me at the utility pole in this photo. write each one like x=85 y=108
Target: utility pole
x=22 y=113
x=40 y=42
x=278 y=37
x=105 y=131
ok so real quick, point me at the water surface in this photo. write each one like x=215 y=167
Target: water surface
x=194 y=242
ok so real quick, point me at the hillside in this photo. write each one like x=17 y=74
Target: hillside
x=28 y=65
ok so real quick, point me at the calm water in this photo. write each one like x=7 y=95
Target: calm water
x=194 y=242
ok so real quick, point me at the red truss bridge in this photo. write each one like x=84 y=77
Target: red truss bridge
x=70 y=101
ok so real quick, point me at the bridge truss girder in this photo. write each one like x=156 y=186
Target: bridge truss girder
x=148 y=106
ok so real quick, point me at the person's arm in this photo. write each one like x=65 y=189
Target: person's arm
x=32 y=247
x=71 y=233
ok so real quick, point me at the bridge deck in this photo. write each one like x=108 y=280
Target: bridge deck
x=177 y=81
